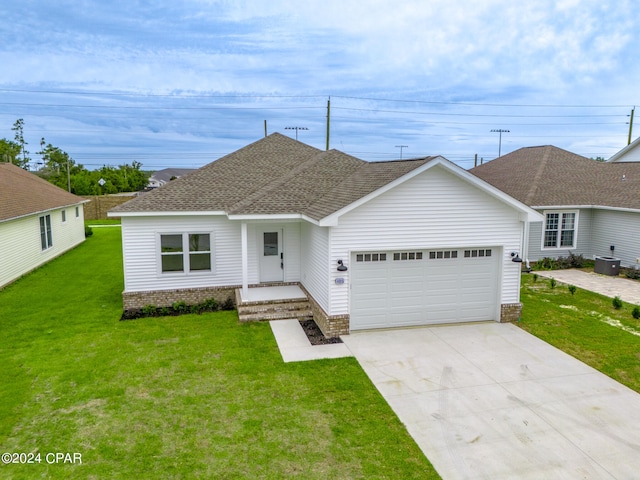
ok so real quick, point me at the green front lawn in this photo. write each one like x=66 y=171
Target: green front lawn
x=584 y=325
x=197 y=396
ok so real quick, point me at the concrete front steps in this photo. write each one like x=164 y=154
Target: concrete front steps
x=273 y=309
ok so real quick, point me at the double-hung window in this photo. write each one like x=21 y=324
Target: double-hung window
x=560 y=230
x=185 y=252
x=46 y=240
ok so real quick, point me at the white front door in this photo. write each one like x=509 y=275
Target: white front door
x=271 y=255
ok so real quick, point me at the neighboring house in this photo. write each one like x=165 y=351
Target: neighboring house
x=38 y=221
x=373 y=245
x=589 y=206
x=161 y=177
x=630 y=153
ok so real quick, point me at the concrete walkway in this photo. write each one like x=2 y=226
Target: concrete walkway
x=490 y=401
x=294 y=345
x=625 y=288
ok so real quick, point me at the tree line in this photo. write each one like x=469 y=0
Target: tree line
x=57 y=166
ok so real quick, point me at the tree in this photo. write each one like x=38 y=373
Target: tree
x=18 y=127
x=58 y=165
x=9 y=151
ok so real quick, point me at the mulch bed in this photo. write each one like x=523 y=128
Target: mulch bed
x=314 y=334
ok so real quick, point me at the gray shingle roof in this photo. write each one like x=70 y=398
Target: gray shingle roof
x=23 y=193
x=275 y=175
x=550 y=176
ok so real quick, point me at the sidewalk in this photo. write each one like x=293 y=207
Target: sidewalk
x=628 y=290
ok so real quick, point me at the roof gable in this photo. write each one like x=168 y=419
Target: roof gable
x=628 y=151
x=22 y=193
x=549 y=176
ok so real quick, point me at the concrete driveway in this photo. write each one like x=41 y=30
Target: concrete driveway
x=490 y=401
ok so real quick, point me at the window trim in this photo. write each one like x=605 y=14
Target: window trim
x=559 y=230
x=63 y=215
x=44 y=222
x=186 y=260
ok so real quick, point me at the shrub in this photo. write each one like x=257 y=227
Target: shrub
x=572 y=289
x=196 y=308
x=209 y=305
x=635 y=313
x=165 y=311
x=553 y=283
x=87 y=231
x=616 y=302
x=535 y=277
x=631 y=273
x=149 y=310
x=228 y=304
x=546 y=263
x=179 y=307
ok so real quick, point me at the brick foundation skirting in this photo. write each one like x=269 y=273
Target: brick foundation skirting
x=165 y=298
x=330 y=325
x=510 y=312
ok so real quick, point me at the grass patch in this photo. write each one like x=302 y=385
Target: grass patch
x=196 y=396
x=587 y=326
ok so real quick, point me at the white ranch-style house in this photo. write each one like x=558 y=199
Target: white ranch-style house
x=38 y=222
x=370 y=244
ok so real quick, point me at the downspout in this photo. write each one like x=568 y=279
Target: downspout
x=525 y=244
x=245 y=261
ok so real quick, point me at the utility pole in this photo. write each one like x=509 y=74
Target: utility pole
x=296 y=129
x=401 y=147
x=265 y=128
x=328 y=120
x=631 y=125
x=500 y=131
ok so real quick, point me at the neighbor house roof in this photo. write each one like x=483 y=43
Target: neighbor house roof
x=23 y=193
x=275 y=175
x=627 y=152
x=550 y=176
x=165 y=175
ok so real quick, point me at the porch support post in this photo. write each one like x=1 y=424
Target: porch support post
x=245 y=260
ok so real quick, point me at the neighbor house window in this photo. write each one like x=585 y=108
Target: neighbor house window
x=46 y=240
x=560 y=230
x=185 y=252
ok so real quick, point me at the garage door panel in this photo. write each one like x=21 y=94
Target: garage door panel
x=422 y=291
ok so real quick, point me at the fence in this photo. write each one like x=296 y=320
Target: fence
x=99 y=205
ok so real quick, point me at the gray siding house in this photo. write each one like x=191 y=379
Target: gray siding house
x=588 y=206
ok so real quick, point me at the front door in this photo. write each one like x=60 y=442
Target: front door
x=271 y=255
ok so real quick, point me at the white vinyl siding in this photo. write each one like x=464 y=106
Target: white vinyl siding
x=21 y=244
x=620 y=229
x=142 y=258
x=435 y=210
x=314 y=256
x=141 y=251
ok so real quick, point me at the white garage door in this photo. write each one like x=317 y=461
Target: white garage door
x=423 y=287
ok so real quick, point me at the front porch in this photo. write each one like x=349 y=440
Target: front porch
x=274 y=302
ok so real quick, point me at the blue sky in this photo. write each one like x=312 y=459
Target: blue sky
x=182 y=83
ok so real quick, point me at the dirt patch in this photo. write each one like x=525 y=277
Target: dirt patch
x=314 y=334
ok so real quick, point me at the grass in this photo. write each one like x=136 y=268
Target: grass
x=196 y=396
x=586 y=325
